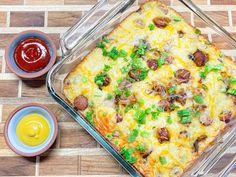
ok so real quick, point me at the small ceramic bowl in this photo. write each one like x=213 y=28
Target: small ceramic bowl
x=10 y=130
x=9 y=54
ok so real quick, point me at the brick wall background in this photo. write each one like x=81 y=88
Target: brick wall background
x=74 y=152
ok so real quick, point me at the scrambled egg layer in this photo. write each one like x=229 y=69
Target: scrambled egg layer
x=169 y=158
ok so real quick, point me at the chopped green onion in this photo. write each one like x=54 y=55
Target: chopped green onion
x=160 y=62
x=231 y=91
x=101 y=45
x=208 y=68
x=109 y=96
x=118 y=92
x=177 y=19
x=89 y=116
x=183 y=113
x=197 y=114
x=172 y=89
x=123 y=53
x=127 y=153
x=154 y=115
x=133 y=135
x=232 y=80
x=109 y=136
x=141 y=147
x=198 y=99
x=145 y=134
x=106 y=68
x=84 y=79
x=198 y=31
x=221 y=55
x=162 y=160
x=185 y=120
x=169 y=120
x=105 y=39
x=148 y=111
x=140 y=116
x=151 y=27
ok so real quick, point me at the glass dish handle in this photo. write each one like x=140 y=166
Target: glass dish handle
x=80 y=32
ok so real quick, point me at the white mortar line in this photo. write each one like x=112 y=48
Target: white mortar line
x=8 y=76
x=53 y=30
x=210 y=37
x=46 y=19
x=230 y=18
x=3 y=64
x=37 y=166
x=192 y=18
x=0 y=113
x=208 y=2
x=45 y=8
x=2 y=52
x=8 y=18
x=20 y=88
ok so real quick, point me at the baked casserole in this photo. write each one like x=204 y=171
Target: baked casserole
x=156 y=89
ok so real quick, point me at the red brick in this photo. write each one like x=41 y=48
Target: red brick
x=11 y=2
x=23 y=19
x=63 y=19
x=80 y=2
x=3 y=19
x=223 y=2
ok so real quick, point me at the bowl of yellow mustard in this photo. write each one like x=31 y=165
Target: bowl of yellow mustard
x=31 y=130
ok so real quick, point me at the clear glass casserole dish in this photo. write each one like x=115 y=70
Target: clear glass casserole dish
x=79 y=40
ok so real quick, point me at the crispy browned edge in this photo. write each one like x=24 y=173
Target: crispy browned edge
x=210 y=144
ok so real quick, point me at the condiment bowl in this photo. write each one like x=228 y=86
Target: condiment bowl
x=10 y=49
x=14 y=118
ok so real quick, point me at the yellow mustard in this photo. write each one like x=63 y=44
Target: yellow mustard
x=32 y=130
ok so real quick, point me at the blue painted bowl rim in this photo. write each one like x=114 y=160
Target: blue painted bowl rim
x=38 y=73
x=12 y=147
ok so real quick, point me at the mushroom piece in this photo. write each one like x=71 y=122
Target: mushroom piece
x=182 y=75
x=163 y=135
x=165 y=104
x=152 y=64
x=226 y=116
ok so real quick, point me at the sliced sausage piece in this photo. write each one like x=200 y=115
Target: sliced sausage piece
x=182 y=75
x=125 y=100
x=205 y=120
x=226 y=116
x=152 y=64
x=161 y=22
x=163 y=135
x=107 y=80
x=81 y=102
x=159 y=89
x=200 y=58
x=197 y=141
x=125 y=84
x=119 y=118
x=165 y=104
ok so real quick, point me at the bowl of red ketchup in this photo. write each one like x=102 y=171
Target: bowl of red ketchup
x=30 y=54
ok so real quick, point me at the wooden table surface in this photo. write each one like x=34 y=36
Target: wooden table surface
x=75 y=152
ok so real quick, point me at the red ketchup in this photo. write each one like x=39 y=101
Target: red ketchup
x=32 y=54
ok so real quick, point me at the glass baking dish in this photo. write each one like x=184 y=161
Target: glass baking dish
x=80 y=39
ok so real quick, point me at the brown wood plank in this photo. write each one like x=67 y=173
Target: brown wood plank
x=58 y=165
x=8 y=88
x=17 y=166
x=97 y=165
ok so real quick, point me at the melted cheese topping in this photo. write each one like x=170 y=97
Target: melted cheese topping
x=178 y=151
